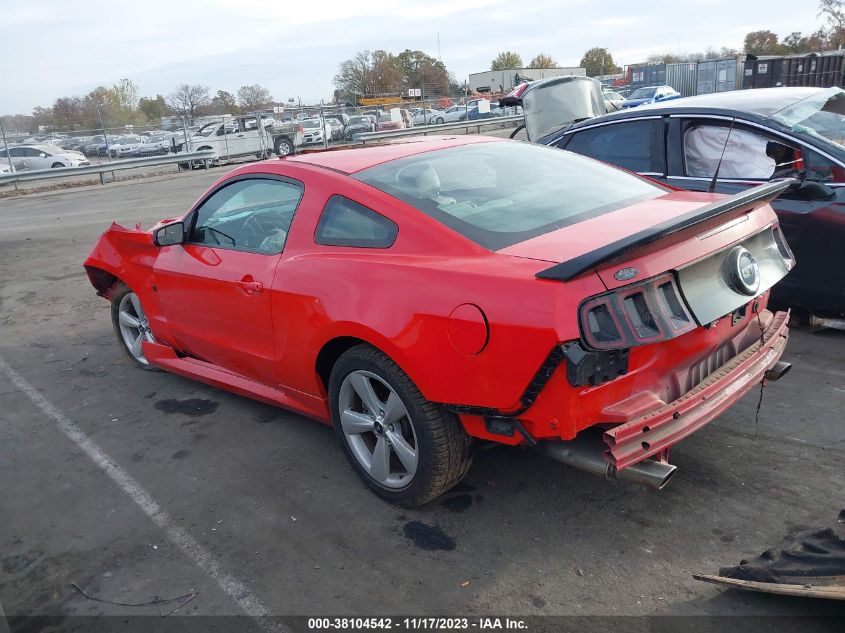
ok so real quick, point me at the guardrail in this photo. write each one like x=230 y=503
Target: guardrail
x=425 y=130
x=104 y=168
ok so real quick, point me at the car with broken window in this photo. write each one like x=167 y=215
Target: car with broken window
x=425 y=296
x=732 y=141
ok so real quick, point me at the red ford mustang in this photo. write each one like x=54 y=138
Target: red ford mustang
x=421 y=295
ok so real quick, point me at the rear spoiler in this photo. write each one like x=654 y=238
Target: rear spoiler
x=744 y=201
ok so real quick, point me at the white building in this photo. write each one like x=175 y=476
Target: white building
x=505 y=80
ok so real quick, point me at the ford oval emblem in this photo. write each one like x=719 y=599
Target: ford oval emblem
x=742 y=271
x=624 y=274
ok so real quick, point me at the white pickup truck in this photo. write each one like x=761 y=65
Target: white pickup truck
x=236 y=137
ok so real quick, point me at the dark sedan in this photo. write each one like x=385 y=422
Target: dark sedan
x=751 y=135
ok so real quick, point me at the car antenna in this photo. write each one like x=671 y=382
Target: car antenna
x=712 y=187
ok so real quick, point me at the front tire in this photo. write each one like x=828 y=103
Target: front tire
x=56 y=165
x=131 y=326
x=439 y=120
x=406 y=449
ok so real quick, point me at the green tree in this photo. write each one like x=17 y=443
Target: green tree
x=506 y=60
x=543 y=61
x=125 y=95
x=254 y=97
x=423 y=71
x=153 y=108
x=762 y=43
x=599 y=61
x=225 y=103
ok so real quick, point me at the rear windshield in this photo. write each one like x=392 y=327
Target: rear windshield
x=501 y=193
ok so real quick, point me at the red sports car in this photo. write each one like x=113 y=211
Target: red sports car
x=426 y=294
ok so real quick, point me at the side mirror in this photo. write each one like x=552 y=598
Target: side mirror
x=169 y=235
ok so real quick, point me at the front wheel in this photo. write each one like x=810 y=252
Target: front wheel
x=439 y=120
x=131 y=326
x=406 y=449
x=56 y=165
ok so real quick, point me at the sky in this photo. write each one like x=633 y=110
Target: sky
x=52 y=48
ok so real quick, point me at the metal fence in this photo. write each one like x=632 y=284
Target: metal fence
x=184 y=159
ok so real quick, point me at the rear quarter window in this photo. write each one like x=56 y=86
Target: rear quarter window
x=345 y=222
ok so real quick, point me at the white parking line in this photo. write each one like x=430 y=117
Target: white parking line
x=201 y=557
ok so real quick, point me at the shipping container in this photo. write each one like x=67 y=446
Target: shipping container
x=763 y=72
x=718 y=76
x=682 y=77
x=649 y=75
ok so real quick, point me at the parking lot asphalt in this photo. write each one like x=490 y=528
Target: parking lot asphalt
x=269 y=502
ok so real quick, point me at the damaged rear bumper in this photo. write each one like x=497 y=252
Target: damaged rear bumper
x=653 y=433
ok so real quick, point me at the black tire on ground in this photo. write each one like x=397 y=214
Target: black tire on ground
x=443 y=447
x=283 y=146
x=56 y=165
x=438 y=120
x=120 y=291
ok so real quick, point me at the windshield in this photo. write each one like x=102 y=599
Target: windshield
x=206 y=130
x=643 y=93
x=821 y=114
x=311 y=123
x=359 y=119
x=384 y=118
x=501 y=193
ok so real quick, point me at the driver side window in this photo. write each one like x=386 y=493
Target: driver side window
x=250 y=215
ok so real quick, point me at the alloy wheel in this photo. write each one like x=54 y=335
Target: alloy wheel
x=378 y=429
x=134 y=326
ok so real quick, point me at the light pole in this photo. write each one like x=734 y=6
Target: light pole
x=6 y=149
x=103 y=128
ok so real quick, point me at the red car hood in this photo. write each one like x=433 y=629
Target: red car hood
x=665 y=254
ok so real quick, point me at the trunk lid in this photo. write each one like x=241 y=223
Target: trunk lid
x=652 y=237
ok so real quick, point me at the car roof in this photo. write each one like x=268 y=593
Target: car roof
x=353 y=160
x=761 y=101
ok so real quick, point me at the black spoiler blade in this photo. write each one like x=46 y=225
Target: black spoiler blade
x=746 y=200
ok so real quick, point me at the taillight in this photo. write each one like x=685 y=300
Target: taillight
x=647 y=312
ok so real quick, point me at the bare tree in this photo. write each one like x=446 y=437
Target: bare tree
x=254 y=97
x=187 y=98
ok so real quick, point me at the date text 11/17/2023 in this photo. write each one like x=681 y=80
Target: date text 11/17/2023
x=418 y=624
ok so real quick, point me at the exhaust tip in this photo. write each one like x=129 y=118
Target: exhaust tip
x=778 y=371
x=670 y=473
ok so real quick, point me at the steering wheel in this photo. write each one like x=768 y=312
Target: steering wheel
x=261 y=226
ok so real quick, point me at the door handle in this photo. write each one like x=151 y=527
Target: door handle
x=250 y=287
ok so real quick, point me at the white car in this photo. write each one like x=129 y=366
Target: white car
x=42 y=157
x=124 y=146
x=240 y=136
x=315 y=131
x=420 y=116
x=450 y=115
x=157 y=145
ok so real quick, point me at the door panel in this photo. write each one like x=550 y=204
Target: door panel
x=217 y=306
x=214 y=292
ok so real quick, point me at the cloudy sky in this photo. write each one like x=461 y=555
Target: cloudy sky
x=53 y=48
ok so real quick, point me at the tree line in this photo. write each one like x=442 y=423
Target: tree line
x=121 y=105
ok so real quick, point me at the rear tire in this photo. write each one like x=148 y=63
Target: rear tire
x=439 y=120
x=405 y=427
x=283 y=147
x=131 y=325
x=56 y=165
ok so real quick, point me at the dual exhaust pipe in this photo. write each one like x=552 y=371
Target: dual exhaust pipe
x=588 y=455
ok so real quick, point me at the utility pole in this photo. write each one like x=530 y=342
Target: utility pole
x=103 y=128
x=6 y=149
